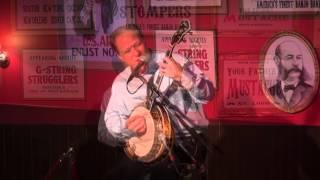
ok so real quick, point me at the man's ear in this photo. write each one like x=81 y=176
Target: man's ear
x=276 y=59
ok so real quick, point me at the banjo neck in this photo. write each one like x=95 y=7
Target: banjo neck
x=184 y=29
x=160 y=77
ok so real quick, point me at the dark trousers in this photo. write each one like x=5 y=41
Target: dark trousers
x=188 y=164
x=127 y=169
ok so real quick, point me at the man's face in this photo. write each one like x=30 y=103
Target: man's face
x=130 y=47
x=291 y=61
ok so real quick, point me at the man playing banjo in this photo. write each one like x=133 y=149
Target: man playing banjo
x=187 y=90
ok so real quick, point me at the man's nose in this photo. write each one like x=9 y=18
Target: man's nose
x=295 y=61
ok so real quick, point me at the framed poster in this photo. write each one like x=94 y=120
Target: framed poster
x=239 y=24
x=200 y=48
x=241 y=89
x=52 y=74
x=289 y=72
x=186 y=2
x=95 y=48
x=280 y=6
x=68 y=16
x=189 y=6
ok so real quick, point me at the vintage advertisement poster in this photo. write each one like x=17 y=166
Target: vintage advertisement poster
x=177 y=8
x=281 y=6
x=95 y=48
x=199 y=48
x=69 y=16
x=87 y=25
x=51 y=16
x=186 y=2
x=242 y=89
x=238 y=24
x=52 y=74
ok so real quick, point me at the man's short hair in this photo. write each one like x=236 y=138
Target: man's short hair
x=128 y=27
x=278 y=51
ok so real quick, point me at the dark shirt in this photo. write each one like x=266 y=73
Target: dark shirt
x=301 y=94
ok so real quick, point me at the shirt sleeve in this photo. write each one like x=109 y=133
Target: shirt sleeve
x=103 y=133
x=116 y=114
x=200 y=88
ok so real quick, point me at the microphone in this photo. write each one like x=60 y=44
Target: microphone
x=136 y=70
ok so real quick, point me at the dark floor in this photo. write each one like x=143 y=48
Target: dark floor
x=246 y=152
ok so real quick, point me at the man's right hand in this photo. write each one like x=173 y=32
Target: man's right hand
x=137 y=124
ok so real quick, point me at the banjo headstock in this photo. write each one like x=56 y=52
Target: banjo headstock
x=184 y=29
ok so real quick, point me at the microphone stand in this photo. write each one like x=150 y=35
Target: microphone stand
x=65 y=155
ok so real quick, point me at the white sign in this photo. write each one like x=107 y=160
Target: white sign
x=198 y=47
x=51 y=16
x=185 y=2
x=52 y=74
x=300 y=6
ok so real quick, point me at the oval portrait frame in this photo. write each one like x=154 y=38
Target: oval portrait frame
x=269 y=73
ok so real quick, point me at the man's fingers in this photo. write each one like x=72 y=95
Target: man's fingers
x=133 y=118
x=136 y=124
x=133 y=121
x=140 y=128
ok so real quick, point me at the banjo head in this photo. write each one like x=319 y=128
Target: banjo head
x=151 y=146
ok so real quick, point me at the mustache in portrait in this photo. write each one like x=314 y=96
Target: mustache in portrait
x=294 y=70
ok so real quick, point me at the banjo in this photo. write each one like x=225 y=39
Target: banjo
x=157 y=142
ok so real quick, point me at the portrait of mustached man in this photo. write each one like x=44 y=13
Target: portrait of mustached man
x=291 y=89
